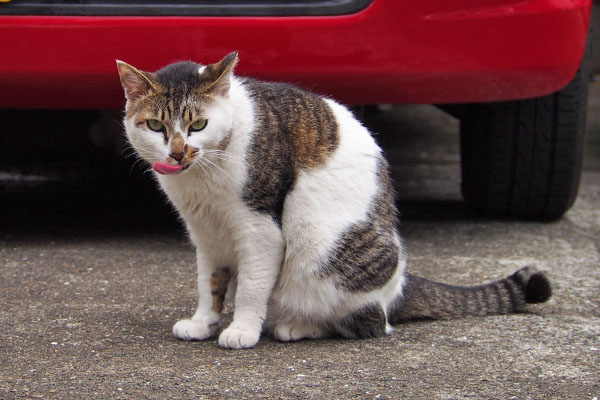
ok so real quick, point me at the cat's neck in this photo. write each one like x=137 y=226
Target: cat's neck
x=243 y=120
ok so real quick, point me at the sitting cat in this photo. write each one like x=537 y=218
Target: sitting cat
x=289 y=195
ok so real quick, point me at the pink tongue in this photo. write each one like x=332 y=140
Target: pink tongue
x=166 y=169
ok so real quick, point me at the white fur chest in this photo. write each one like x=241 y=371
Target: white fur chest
x=209 y=209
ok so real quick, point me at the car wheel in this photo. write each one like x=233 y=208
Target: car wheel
x=523 y=158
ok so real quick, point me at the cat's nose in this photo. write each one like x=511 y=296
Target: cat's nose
x=177 y=155
x=178 y=148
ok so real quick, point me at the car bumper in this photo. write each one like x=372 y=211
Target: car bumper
x=393 y=51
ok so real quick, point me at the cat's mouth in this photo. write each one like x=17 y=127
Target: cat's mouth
x=168 y=169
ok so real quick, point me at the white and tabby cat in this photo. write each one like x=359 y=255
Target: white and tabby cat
x=287 y=198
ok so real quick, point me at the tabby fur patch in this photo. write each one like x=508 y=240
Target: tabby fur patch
x=366 y=255
x=295 y=130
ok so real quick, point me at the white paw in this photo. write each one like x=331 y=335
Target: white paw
x=186 y=329
x=292 y=333
x=285 y=333
x=235 y=338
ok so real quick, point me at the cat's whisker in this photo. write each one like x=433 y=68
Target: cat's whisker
x=146 y=151
x=147 y=170
x=215 y=158
x=121 y=122
x=216 y=170
x=202 y=163
x=229 y=154
x=127 y=156
x=138 y=160
x=128 y=151
x=220 y=169
x=210 y=165
x=142 y=154
x=226 y=156
x=211 y=172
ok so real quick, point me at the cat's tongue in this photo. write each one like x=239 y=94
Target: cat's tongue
x=166 y=169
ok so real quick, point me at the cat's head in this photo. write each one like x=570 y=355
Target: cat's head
x=179 y=113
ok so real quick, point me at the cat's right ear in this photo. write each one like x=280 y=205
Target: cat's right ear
x=219 y=75
x=134 y=81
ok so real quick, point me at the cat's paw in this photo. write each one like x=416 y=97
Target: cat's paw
x=292 y=333
x=235 y=338
x=287 y=333
x=186 y=329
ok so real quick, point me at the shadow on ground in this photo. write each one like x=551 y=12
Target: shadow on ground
x=71 y=180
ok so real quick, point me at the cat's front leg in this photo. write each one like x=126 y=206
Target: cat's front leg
x=261 y=256
x=212 y=285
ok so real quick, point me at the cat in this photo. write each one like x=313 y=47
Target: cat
x=288 y=201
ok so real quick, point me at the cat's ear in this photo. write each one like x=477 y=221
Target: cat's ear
x=134 y=81
x=219 y=75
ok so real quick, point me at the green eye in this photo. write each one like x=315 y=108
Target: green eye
x=155 y=125
x=198 y=125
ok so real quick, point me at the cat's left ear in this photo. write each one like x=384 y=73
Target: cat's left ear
x=219 y=75
x=134 y=81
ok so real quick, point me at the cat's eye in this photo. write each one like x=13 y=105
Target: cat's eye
x=198 y=125
x=155 y=125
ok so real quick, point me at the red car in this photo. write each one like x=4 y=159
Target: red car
x=511 y=70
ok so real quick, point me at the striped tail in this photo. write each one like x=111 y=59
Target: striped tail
x=424 y=299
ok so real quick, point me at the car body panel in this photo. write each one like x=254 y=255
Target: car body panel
x=393 y=51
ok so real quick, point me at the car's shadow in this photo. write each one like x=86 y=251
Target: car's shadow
x=76 y=186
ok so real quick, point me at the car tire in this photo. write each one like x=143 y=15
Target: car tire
x=523 y=159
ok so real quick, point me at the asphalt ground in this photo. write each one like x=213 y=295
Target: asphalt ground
x=95 y=270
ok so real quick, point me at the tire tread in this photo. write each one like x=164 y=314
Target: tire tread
x=523 y=158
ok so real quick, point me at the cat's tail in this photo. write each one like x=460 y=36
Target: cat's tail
x=424 y=299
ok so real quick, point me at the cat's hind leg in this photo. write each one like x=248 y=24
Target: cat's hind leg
x=291 y=332
x=367 y=322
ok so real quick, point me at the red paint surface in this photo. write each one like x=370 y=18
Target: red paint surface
x=394 y=51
